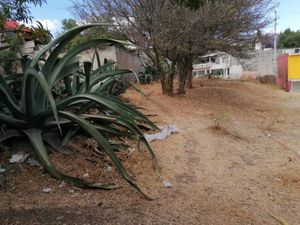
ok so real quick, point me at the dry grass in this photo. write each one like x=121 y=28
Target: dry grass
x=223 y=169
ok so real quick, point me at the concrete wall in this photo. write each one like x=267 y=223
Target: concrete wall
x=295 y=86
x=264 y=62
x=129 y=60
x=260 y=63
x=107 y=53
x=236 y=71
x=124 y=59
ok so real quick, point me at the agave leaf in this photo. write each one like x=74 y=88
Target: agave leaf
x=9 y=100
x=138 y=89
x=35 y=137
x=68 y=84
x=101 y=76
x=101 y=100
x=10 y=133
x=28 y=101
x=30 y=98
x=75 y=83
x=103 y=87
x=12 y=78
x=87 y=72
x=54 y=57
x=25 y=62
x=101 y=69
x=71 y=132
x=102 y=142
x=72 y=53
x=107 y=128
x=67 y=35
x=111 y=103
x=84 y=107
x=54 y=140
x=131 y=111
x=4 y=47
x=11 y=121
x=96 y=54
x=131 y=127
x=71 y=68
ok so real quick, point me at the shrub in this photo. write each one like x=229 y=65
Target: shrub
x=149 y=75
x=36 y=112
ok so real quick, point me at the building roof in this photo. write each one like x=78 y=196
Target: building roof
x=14 y=25
x=217 y=53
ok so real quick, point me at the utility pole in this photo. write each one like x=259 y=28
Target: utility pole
x=275 y=32
x=275 y=45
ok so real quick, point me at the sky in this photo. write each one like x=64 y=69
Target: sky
x=52 y=13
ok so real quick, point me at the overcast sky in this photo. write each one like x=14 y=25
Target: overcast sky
x=52 y=13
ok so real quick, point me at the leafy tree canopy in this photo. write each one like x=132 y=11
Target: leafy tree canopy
x=68 y=24
x=289 y=39
x=99 y=32
x=17 y=9
x=193 y=4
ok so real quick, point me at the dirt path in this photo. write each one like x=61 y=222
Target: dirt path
x=235 y=160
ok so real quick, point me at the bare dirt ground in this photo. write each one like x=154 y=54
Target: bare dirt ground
x=235 y=160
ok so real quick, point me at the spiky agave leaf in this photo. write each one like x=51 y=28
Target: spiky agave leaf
x=102 y=142
x=35 y=137
x=38 y=111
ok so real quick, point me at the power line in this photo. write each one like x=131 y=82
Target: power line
x=289 y=12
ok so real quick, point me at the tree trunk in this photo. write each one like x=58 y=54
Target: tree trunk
x=167 y=81
x=185 y=73
x=182 y=81
x=167 y=85
x=189 y=83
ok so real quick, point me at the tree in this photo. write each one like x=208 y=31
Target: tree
x=99 y=32
x=17 y=10
x=68 y=24
x=173 y=35
x=14 y=38
x=40 y=34
x=289 y=39
x=192 y=4
x=228 y=26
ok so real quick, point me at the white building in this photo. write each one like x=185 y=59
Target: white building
x=218 y=63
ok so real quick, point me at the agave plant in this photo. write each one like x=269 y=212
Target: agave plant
x=36 y=112
x=149 y=75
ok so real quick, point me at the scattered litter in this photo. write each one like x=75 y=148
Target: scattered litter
x=74 y=195
x=167 y=183
x=165 y=132
x=18 y=157
x=71 y=191
x=61 y=184
x=109 y=169
x=59 y=218
x=131 y=150
x=283 y=222
x=2 y=170
x=47 y=190
x=33 y=162
x=269 y=135
x=86 y=175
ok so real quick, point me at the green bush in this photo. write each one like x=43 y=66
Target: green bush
x=149 y=75
x=35 y=112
